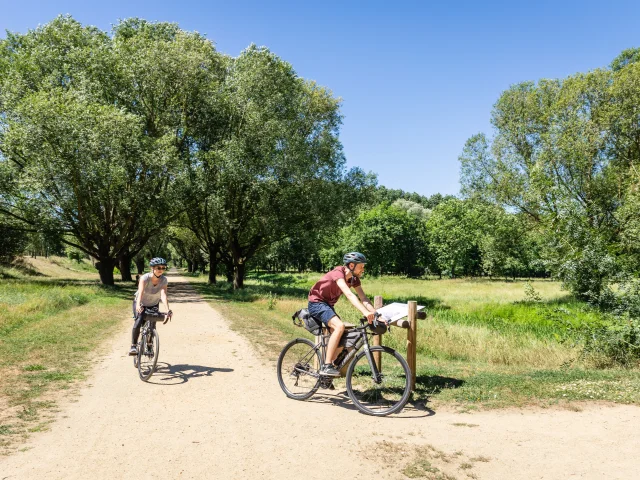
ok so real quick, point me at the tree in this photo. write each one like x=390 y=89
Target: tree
x=96 y=130
x=279 y=165
x=558 y=157
x=393 y=241
x=453 y=234
x=188 y=247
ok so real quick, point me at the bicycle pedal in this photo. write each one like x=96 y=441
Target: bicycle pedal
x=327 y=384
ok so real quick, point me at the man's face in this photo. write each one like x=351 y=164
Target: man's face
x=358 y=270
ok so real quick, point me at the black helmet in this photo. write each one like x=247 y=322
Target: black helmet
x=157 y=261
x=354 y=257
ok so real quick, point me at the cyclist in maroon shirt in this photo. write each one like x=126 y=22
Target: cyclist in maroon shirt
x=326 y=293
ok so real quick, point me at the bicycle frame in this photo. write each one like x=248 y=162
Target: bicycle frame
x=362 y=342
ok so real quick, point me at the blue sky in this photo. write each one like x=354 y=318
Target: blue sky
x=416 y=78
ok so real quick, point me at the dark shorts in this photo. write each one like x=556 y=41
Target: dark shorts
x=322 y=311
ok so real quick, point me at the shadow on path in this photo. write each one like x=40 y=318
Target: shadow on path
x=413 y=409
x=167 y=374
x=182 y=293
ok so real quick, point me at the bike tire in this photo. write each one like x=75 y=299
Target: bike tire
x=147 y=360
x=382 y=399
x=298 y=376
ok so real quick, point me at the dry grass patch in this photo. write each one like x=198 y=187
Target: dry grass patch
x=419 y=461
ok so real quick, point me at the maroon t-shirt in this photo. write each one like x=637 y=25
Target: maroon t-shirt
x=327 y=290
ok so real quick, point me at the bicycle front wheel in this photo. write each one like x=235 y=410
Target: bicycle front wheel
x=383 y=396
x=299 y=369
x=148 y=354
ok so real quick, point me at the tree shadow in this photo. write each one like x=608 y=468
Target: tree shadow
x=430 y=385
x=25 y=268
x=167 y=374
x=182 y=293
x=223 y=291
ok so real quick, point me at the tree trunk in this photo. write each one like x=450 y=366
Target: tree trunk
x=125 y=269
x=213 y=266
x=228 y=263
x=238 y=275
x=189 y=266
x=105 y=268
x=140 y=265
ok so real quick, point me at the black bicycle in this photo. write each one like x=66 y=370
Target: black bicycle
x=377 y=378
x=149 y=345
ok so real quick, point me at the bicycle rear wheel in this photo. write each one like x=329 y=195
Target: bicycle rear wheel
x=387 y=395
x=148 y=354
x=298 y=369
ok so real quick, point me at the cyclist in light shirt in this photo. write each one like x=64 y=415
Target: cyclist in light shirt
x=152 y=289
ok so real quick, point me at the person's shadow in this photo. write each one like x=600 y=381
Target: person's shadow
x=167 y=374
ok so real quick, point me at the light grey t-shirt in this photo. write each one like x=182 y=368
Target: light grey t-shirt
x=151 y=293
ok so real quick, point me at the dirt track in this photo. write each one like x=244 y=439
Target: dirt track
x=214 y=410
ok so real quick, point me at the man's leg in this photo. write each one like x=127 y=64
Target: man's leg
x=337 y=329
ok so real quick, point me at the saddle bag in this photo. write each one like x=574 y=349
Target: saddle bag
x=302 y=318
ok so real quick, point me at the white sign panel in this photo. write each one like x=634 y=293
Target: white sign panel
x=395 y=311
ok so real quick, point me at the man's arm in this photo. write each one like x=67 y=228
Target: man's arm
x=363 y=298
x=354 y=300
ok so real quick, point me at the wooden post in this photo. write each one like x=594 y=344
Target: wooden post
x=411 y=341
x=377 y=339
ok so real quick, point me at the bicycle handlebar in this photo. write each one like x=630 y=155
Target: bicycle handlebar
x=167 y=316
x=365 y=322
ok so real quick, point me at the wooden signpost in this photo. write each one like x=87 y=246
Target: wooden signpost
x=410 y=323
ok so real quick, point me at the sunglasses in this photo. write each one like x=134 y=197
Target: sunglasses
x=160 y=268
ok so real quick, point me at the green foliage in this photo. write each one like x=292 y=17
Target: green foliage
x=94 y=128
x=563 y=156
x=276 y=166
x=392 y=239
x=272 y=300
x=453 y=235
x=13 y=241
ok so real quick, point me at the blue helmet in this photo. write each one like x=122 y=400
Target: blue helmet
x=354 y=257
x=157 y=261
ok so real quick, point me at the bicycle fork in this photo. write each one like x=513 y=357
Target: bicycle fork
x=375 y=373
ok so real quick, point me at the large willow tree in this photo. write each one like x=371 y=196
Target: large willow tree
x=565 y=153
x=95 y=130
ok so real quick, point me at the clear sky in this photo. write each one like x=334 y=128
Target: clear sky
x=416 y=78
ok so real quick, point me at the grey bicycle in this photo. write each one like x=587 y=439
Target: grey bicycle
x=377 y=378
x=149 y=345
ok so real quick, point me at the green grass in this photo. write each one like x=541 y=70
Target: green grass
x=482 y=344
x=50 y=325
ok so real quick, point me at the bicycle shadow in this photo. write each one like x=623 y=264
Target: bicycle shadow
x=167 y=374
x=413 y=408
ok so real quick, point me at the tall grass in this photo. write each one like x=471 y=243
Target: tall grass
x=50 y=324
